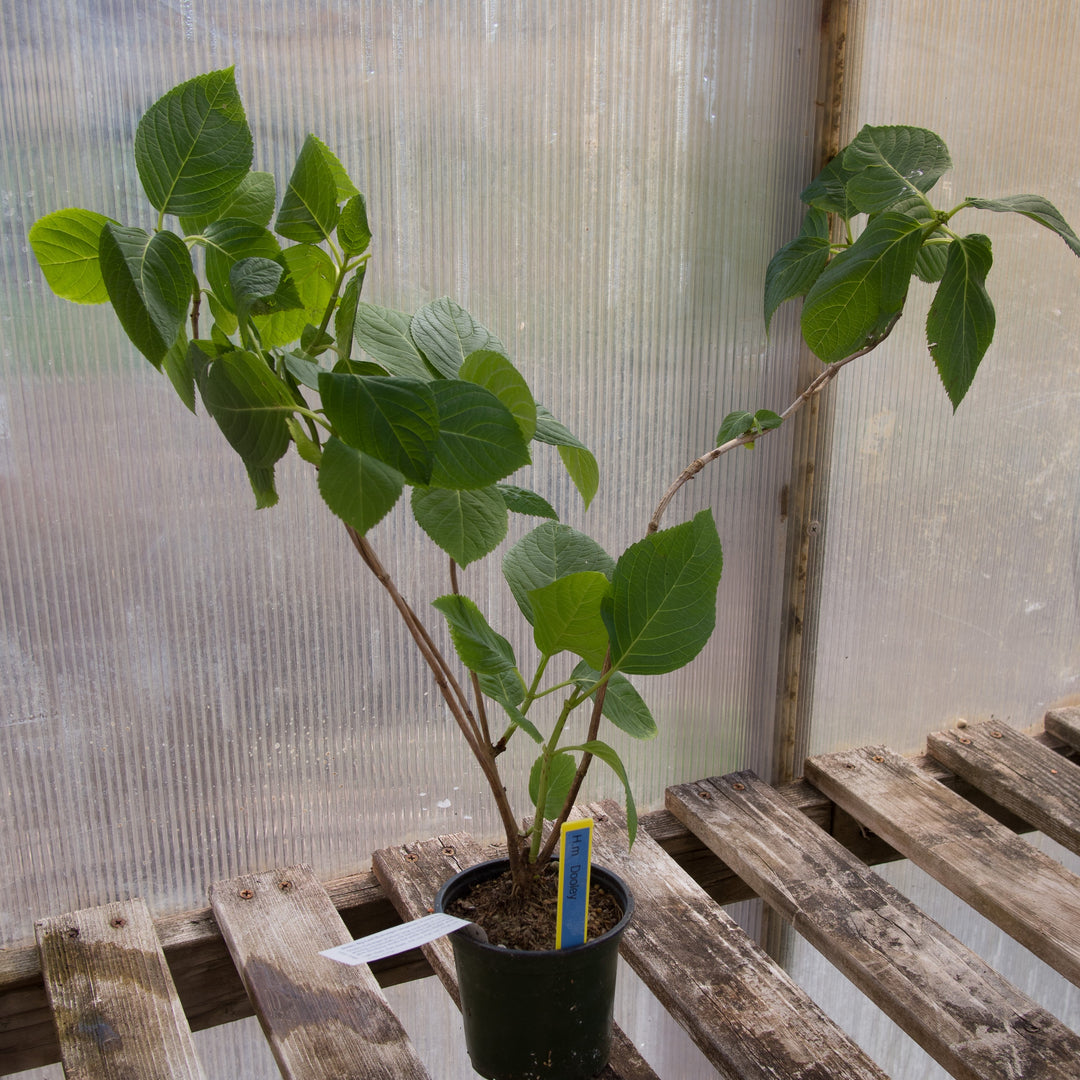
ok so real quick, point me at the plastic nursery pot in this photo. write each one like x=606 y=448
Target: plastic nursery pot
x=530 y=1015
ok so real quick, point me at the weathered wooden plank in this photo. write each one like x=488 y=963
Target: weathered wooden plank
x=743 y=1011
x=117 y=1013
x=1028 y=894
x=412 y=876
x=322 y=1019
x=1064 y=724
x=1017 y=772
x=957 y=1007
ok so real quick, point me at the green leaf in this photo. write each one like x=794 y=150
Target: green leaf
x=766 y=420
x=792 y=270
x=560 y=776
x=150 y=283
x=889 y=163
x=227 y=242
x=479 y=439
x=862 y=289
x=566 y=616
x=384 y=335
x=311 y=270
x=177 y=365
x=304 y=369
x=547 y=553
x=393 y=419
x=353 y=231
x=314 y=342
x=828 y=190
x=345 y=316
x=931 y=260
x=308 y=449
x=193 y=146
x=262 y=287
x=446 y=333
x=250 y=405
x=360 y=489
x=960 y=323
x=1038 y=209
x=611 y=759
x=252 y=201
x=623 y=705
x=734 y=425
x=478 y=646
x=65 y=244
x=467 y=525
x=577 y=459
x=494 y=371
x=662 y=609
x=309 y=208
x=521 y=500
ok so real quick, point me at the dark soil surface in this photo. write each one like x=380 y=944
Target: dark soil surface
x=518 y=922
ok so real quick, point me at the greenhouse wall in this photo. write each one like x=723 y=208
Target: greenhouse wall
x=191 y=689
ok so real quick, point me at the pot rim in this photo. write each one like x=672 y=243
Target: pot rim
x=490 y=868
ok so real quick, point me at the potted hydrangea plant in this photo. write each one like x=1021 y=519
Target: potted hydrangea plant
x=268 y=329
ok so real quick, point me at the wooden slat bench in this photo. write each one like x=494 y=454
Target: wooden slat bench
x=111 y=979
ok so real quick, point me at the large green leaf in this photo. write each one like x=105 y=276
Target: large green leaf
x=478 y=646
x=560 y=776
x=193 y=146
x=446 y=333
x=550 y=551
x=65 y=244
x=150 y=283
x=577 y=458
x=479 y=439
x=1038 y=209
x=521 y=500
x=960 y=323
x=566 y=616
x=309 y=208
x=360 y=489
x=863 y=288
x=226 y=243
x=393 y=419
x=250 y=405
x=177 y=366
x=252 y=201
x=495 y=372
x=623 y=705
x=662 y=608
x=467 y=525
x=384 y=335
x=608 y=756
x=888 y=163
x=311 y=270
x=792 y=270
x=828 y=190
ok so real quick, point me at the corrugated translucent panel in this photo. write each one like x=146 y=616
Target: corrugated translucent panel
x=949 y=585
x=951 y=556
x=189 y=688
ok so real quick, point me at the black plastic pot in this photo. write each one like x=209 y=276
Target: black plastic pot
x=532 y=1015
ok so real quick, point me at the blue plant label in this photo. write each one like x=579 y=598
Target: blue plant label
x=575 y=849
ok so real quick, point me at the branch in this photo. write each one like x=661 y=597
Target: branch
x=816 y=385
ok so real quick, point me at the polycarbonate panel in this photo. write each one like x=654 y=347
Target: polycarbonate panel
x=949 y=584
x=949 y=571
x=190 y=688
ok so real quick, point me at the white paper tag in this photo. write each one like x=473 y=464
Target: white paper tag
x=396 y=939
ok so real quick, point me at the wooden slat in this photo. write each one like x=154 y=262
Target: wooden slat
x=957 y=1007
x=322 y=1019
x=1064 y=724
x=743 y=1011
x=1017 y=772
x=1028 y=894
x=116 y=1009
x=412 y=876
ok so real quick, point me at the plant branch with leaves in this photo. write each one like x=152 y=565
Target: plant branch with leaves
x=377 y=401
